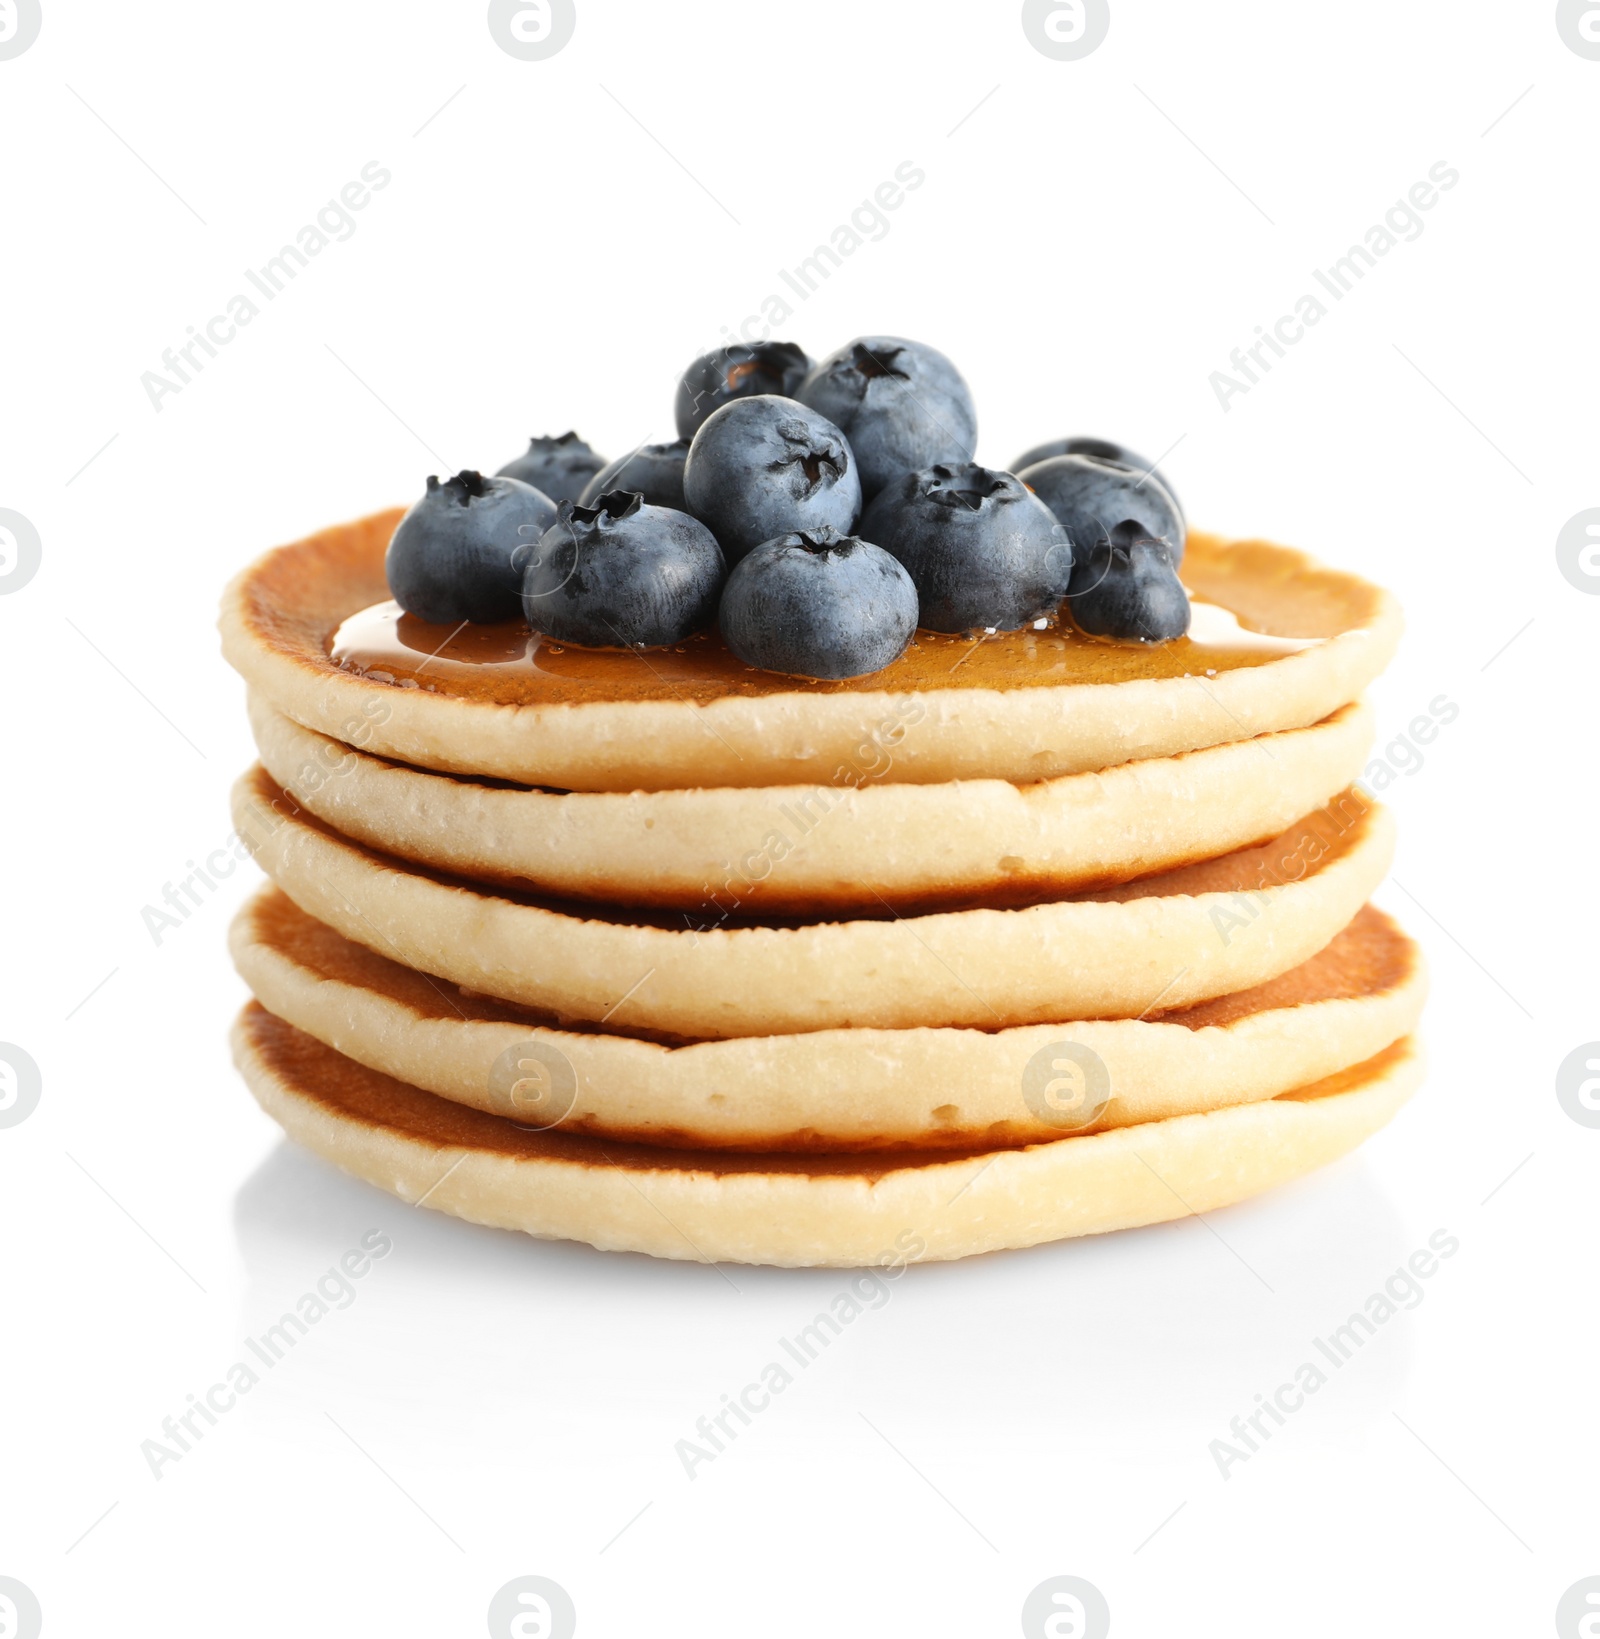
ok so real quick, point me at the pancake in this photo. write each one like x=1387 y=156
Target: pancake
x=1171 y=940
x=1021 y=707
x=847 y=1211
x=809 y=849
x=833 y=1090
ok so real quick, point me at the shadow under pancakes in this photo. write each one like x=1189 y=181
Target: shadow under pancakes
x=1125 y=1342
x=1122 y=1342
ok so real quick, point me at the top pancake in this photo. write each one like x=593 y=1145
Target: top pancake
x=1019 y=707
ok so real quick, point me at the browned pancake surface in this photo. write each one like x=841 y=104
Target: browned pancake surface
x=349 y=1091
x=1368 y=957
x=298 y=598
x=1307 y=847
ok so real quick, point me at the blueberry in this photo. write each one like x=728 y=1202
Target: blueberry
x=654 y=471
x=818 y=604
x=457 y=553
x=739 y=371
x=762 y=466
x=903 y=406
x=559 y=466
x=1130 y=589
x=621 y=574
x=1094 y=499
x=1103 y=449
x=983 y=550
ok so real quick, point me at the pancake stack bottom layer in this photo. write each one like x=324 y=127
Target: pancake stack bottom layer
x=909 y=1007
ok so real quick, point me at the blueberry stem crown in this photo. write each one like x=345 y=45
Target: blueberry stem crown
x=981 y=483
x=823 y=540
x=872 y=364
x=1131 y=533
x=612 y=507
x=765 y=360
x=1116 y=549
x=809 y=455
x=466 y=487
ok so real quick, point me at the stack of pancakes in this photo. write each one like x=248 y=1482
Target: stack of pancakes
x=1026 y=936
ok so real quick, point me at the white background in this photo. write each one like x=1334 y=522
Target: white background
x=1092 y=241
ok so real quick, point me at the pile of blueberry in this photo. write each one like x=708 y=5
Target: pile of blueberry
x=818 y=513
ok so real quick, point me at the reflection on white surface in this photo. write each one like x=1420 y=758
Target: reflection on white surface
x=1146 y=1339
